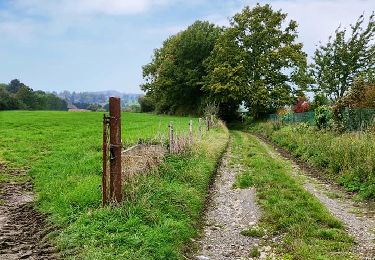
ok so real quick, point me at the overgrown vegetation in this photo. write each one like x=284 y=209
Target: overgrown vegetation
x=63 y=152
x=305 y=226
x=348 y=158
x=17 y=95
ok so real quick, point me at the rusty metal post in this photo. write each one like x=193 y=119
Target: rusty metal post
x=115 y=149
x=171 y=141
x=191 y=132
x=105 y=150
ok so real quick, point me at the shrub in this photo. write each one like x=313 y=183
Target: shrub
x=323 y=117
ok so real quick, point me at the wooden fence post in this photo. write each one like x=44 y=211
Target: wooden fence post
x=200 y=128
x=207 y=124
x=171 y=141
x=105 y=150
x=115 y=149
x=191 y=132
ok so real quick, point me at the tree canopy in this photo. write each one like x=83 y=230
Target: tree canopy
x=258 y=61
x=17 y=95
x=175 y=76
x=344 y=58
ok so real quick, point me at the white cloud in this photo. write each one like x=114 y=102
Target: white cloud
x=89 y=7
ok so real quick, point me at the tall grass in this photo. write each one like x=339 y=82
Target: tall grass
x=349 y=158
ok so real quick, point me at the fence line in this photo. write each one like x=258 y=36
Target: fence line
x=353 y=119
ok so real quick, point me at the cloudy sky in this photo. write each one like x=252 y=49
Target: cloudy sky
x=90 y=45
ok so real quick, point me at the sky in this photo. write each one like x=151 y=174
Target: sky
x=94 y=45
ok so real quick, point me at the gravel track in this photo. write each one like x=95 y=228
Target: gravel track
x=229 y=212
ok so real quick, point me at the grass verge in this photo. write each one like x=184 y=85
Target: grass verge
x=348 y=158
x=161 y=212
x=309 y=231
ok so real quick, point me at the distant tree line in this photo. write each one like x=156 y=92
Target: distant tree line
x=17 y=95
x=84 y=99
x=256 y=62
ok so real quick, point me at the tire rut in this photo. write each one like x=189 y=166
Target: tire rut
x=23 y=230
x=361 y=225
x=229 y=212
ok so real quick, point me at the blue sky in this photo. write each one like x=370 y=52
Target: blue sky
x=92 y=45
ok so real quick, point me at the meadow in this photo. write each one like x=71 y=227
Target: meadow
x=62 y=154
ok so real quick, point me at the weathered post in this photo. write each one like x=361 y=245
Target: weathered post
x=115 y=149
x=200 y=128
x=105 y=150
x=171 y=141
x=207 y=124
x=191 y=132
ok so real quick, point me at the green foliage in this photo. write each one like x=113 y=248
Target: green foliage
x=17 y=95
x=309 y=231
x=323 y=117
x=250 y=60
x=356 y=110
x=320 y=99
x=63 y=152
x=343 y=58
x=174 y=78
x=146 y=103
x=348 y=158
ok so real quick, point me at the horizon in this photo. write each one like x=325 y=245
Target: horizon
x=91 y=46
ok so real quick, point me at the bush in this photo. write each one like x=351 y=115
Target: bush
x=323 y=117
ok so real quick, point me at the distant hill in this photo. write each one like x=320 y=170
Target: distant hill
x=98 y=97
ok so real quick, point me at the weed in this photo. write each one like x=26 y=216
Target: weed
x=253 y=232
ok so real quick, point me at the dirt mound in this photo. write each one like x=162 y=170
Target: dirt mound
x=23 y=230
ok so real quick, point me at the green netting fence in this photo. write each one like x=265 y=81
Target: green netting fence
x=358 y=119
x=290 y=118
x=353 y=119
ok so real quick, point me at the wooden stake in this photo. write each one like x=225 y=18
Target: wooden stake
x=191 y=132
x=171 y=141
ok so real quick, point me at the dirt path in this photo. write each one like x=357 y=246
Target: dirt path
x=22 y=229
x=358 y=218
x=229 y=212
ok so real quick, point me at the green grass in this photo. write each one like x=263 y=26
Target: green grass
x=253 y=232
x=349 y=158
x=63 y=152
x=309 y=230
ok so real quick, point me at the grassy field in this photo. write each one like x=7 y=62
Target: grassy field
x=307 y=228
x=62 y=152
x=348 y=158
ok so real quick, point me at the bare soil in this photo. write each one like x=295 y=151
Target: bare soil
x=23 y=230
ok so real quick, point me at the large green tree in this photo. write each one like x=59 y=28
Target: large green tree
x=343 y=58
x=258 y=61
x=174 y=77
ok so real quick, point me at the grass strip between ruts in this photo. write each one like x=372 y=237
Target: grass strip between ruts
x=308 y=229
